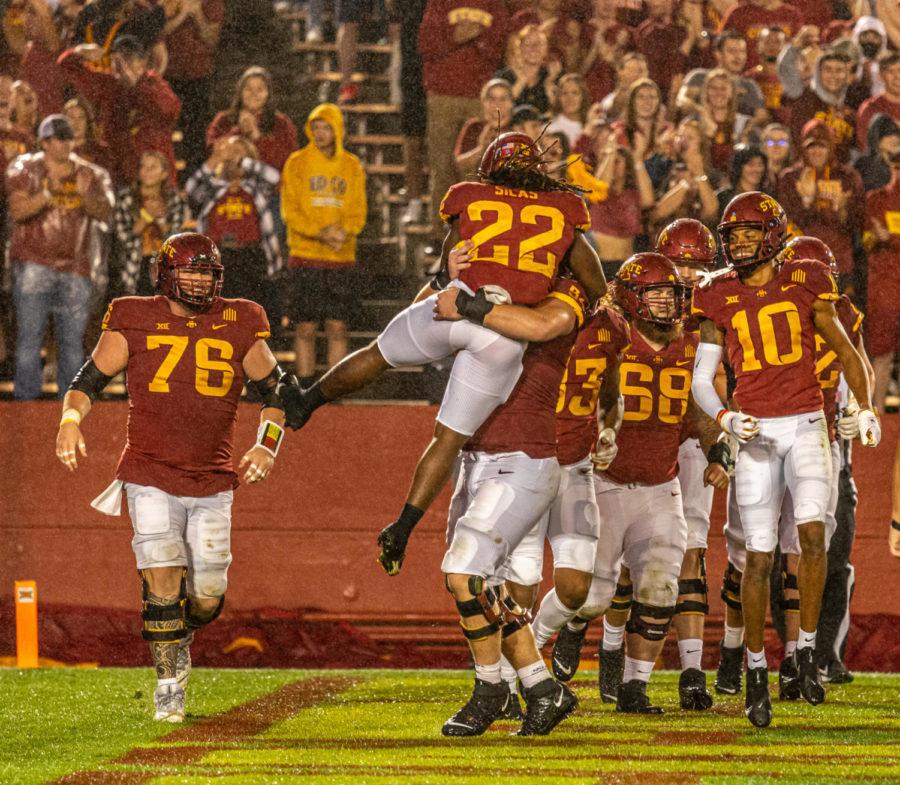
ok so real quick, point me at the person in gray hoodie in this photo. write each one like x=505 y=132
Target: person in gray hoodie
x=870 y=37
x=823 y=99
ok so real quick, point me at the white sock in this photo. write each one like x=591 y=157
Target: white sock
x=807 y=640
x=533 y=674
x=508 y=673
x=164 y=682
x=577 y=624
x=734 y=637
x=789 y=647
x=637 y=669
x=691 y=653
x=756 y=659
x=551 y=618
x=613 y=637
x=488 y=673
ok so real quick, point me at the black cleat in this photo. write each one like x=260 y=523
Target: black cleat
x=488 y=702
x=632 y=699
x=758 y=705
x=567 y=652
x=835 y=673
x=392 y=541
x=692 y=692
x=808 y=673
x=788 y=680
x=546 y=705
x=612 y=668
x=513 y=710
x=731 y=665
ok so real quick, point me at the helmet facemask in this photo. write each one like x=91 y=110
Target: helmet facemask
x=662 y=304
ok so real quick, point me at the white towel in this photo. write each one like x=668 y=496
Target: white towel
x=110 y=501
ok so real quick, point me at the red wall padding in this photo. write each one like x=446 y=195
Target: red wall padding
x=306 y=536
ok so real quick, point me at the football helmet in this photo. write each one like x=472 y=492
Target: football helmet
x=754 y=210
x=806 y=247
x=688 y=243
x=189 y=252
x=511 y=150
x=642 y=274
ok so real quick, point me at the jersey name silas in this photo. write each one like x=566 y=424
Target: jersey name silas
x=597 y=347
x=519 y=237
x=185 y=377
x=770 y=335
x=656 y=387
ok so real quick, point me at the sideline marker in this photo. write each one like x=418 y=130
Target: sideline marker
x=26 y=624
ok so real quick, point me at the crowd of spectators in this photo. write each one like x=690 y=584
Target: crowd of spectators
x=656 y=108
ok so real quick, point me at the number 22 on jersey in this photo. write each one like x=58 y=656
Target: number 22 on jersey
x=489 y=242
x=204 y=364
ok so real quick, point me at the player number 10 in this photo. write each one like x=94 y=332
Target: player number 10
x=766 y=320
x=177 y=345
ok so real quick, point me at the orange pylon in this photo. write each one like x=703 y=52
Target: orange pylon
x=26 y=624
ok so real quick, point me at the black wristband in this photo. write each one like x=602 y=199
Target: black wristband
x=895 y=525
x=441 y=280
x=474 y=308
x=720 y=453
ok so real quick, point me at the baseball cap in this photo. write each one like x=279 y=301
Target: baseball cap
x=55 y=126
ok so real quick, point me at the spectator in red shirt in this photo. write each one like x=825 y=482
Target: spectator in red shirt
x=722 y=124
x=887 y=102
x=824 y=198
x=461 y=44
x=603 y=41
x=137 y=110
x=882 y=241
x=86 y=142
x=23 y=107
x=38 y=49
x=750 y=17
x=769 y=44
x=667 y=44
x=559 y=25
x=875 y=165
x=191 y=36
x=642 y=127
x=478 y=132
x=252 y=115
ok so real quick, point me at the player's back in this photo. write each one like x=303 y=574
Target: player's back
x=185 y=377
x=520 y=237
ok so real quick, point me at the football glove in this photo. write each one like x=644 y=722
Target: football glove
x=869 y=428
x=606 y=450
x=743 y=427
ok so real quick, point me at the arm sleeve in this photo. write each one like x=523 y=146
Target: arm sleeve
x=709 y=356
x=789 y=71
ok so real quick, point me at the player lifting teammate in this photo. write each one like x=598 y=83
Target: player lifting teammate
x=187 y=353
x=522 y=225
x=767 y=318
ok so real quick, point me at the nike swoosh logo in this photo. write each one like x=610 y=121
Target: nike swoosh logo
x=683 y=362
x=594 y=345
x=559 y=700
x=219 y=326
x=567 y=671
x=692 y=651
x=816 y=419
x=500 y=471
x=789 y=286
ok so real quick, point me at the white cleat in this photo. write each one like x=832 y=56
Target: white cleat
x=183 y=662
x=169 y=702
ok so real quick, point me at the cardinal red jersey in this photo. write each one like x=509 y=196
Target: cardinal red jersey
x=597 y=346
x=527 y=421
x=520 y=237
x=185 y=377
x=656 y=386
x=828 y=367
x=770 y=335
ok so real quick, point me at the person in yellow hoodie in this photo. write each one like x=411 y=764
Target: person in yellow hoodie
x=323 y=201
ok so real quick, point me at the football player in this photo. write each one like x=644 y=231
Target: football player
x=508 y=480
x=768 y=316
x=521 y=223
x=641 y=510
x=187 y=353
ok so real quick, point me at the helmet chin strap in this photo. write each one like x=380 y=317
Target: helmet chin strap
x=746 y=270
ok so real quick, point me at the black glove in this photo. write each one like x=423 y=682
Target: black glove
x=473 y=307
x=720 y=453
x=291 y=396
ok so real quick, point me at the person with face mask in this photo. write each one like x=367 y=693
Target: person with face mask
x=870 y=37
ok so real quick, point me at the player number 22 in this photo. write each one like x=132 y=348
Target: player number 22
x=177 y=345
x=765 y=318
x=504 y=217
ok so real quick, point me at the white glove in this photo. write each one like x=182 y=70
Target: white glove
x=742 y=426
x=848 y=425
x=869 y=428
x=496 y=294
x=606 y=450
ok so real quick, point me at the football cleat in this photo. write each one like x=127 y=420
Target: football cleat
x=835 y=673
x=183 y=661
x=692 y=692
x=392 y=541
x=488 y=702
x=788 y=680
x=731 y=664
x=612 y=668
x=808 y=673
x=632 y=699
x=758 y=706
x=168 y=700
x=513 y=710
x=567 y=652
x=546 y=705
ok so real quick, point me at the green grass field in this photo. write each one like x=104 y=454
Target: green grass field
x=282 y=727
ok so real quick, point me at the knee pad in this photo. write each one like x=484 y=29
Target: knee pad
x=163 y=623
x=622 y=598
x=485 y=603
x=788 y=583
x=194 y=621
x=694 y=586
x=598 y=600
x=655 y=630
x=731 y=589
x=211 y=558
